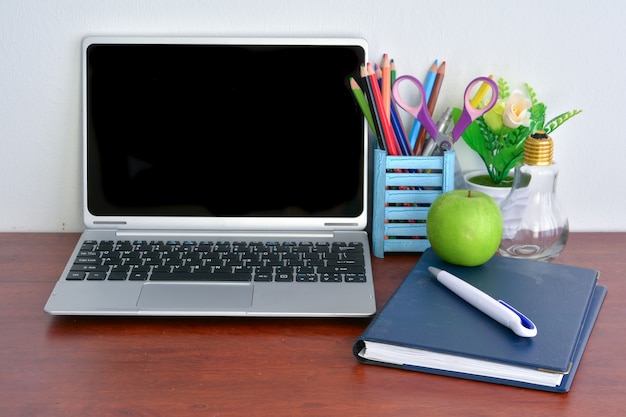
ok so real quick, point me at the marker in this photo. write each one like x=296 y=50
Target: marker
x=496 y=309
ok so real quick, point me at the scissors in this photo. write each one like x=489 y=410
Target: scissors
x=468 y=115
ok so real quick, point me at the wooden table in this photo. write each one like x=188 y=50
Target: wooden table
x=134 y=366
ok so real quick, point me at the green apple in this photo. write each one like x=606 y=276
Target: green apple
x=464 y=227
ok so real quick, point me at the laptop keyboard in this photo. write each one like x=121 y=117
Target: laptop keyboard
x=219 y=261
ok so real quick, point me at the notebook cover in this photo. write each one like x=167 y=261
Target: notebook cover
x=561 y=300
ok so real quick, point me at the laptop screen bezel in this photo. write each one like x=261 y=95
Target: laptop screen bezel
x=221 y=223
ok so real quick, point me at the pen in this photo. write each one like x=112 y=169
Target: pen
x=496 y=309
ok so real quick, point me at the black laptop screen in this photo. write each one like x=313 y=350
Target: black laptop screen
x=223 y=130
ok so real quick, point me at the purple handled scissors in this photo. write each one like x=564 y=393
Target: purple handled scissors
x=420 y=112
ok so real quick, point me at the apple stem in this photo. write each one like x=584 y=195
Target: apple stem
x=469 y=193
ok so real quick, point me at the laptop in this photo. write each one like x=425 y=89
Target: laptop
x=204 y=156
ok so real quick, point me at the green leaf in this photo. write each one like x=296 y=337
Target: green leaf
x=537 y=117
x=503 y=159
x=531 y=94
x=559 y=120
x=503 y=88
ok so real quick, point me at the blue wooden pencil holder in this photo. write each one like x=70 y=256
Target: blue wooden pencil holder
x=404 y=188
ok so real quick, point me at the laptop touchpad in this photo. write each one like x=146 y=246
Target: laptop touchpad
x=199 y=296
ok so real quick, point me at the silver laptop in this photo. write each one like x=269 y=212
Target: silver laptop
x=222 y=177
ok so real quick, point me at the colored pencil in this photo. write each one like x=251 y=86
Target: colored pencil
x=480 y=94
x=359 y=96
x=390 y=139
x=432 y=102
x=398 y=128
x=386 y=86
x=378 y=128
x=393 y=73
x=428 y=87
x=396 y=123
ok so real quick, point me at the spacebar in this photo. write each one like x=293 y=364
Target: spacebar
x=201 y=276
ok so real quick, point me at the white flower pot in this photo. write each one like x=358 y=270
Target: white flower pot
x=497 y=193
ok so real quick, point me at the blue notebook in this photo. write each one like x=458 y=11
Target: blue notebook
x=425 y=327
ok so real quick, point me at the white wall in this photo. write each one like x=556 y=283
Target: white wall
x=570 y=51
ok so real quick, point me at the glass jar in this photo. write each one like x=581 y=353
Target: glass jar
x=535 y=226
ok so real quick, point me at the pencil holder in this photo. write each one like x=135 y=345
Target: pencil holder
x=404 y=188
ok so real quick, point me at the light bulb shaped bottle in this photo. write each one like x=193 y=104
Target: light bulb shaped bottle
x=535 y=226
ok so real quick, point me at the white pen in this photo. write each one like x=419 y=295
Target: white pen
x=496 y=309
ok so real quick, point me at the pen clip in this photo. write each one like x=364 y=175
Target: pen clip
x=525 y=327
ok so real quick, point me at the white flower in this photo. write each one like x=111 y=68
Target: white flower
x=517 y=110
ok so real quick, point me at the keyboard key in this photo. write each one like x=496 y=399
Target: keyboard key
x=351 y=277
x=201 y=276
x=347 y=269
x=284 y=278
x=137 y=275
x=327 y=277
x=306 y=277
x=117 y=276
x=93 y=260
x=96 y=276
x=263 y=276
x=76 y=276
x=89 y=267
